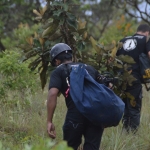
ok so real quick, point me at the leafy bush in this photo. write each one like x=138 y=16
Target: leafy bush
x=48 y=145
x=19 y=36
x=117 y=30
x=45 y=144
x=59 y=24
x=16 y=80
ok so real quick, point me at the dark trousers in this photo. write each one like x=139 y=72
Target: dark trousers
x=77 y=125
x=131 y=117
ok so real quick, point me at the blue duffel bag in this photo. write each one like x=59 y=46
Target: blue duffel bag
x=95 y=101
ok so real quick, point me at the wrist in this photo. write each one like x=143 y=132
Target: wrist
x=49 y=121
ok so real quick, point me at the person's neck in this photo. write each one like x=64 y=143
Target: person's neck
x=142 y=33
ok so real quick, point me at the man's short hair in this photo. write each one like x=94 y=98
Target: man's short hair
x=143 y=28
x=64 y=56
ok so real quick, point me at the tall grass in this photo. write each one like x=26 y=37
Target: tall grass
x=28 y=126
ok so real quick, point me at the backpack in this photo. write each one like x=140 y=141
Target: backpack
x=95 y=101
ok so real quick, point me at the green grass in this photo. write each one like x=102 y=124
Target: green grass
x=28 y=126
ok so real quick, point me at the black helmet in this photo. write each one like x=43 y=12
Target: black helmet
x=57 y=49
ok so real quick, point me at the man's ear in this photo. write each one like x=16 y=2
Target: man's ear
x=57 y=62
x=147 y=33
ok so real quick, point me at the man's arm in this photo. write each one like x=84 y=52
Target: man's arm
x=51 y=105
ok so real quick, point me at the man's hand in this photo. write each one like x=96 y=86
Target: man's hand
x=110 y=85
x=51 y=105
x=51 y=130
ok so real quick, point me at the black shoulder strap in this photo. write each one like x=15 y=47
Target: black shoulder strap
x=67 y=69
x=147 y=39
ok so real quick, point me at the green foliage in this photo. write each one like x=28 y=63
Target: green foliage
x=15 y=76
x=45 y=144
x=21 y=115
x=29 y=128
x=59 y=24
x=14 y=12
x=20 y=36
x=117 y=30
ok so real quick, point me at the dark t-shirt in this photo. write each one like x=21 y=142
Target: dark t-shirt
x=133 y=46
x=58 y=80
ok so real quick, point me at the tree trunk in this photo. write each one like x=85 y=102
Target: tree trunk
x=2 y=48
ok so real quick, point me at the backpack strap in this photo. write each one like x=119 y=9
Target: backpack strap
x=147 y=39
x=67 y=70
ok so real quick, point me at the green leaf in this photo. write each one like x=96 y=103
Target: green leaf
x=109 y=47
x=81 y=45
x=36 y=42
x=66 y=7
x=57 y=13
x=96 y=46
x=51 y=29
x=55 y=3
x=35 y=63
x=30 y=54
x=62 y=20
x=128 y=77
x=118 y=65
x=131 y=79
x=81 y=31
x=47 y=43
x=71 y=20
x=23 y=58
x=62 y=146
x=131 y=98
x=55 y=36
x=72 y=23
x=71 y=16
x=126 y=59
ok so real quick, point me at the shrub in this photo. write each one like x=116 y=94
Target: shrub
x=45 y=144
x=16 y=79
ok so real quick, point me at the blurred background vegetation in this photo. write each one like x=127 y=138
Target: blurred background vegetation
x=94 y=28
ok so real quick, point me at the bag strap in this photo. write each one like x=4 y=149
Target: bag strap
x=145 y=83
x=147 y=39
x=67 y=70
